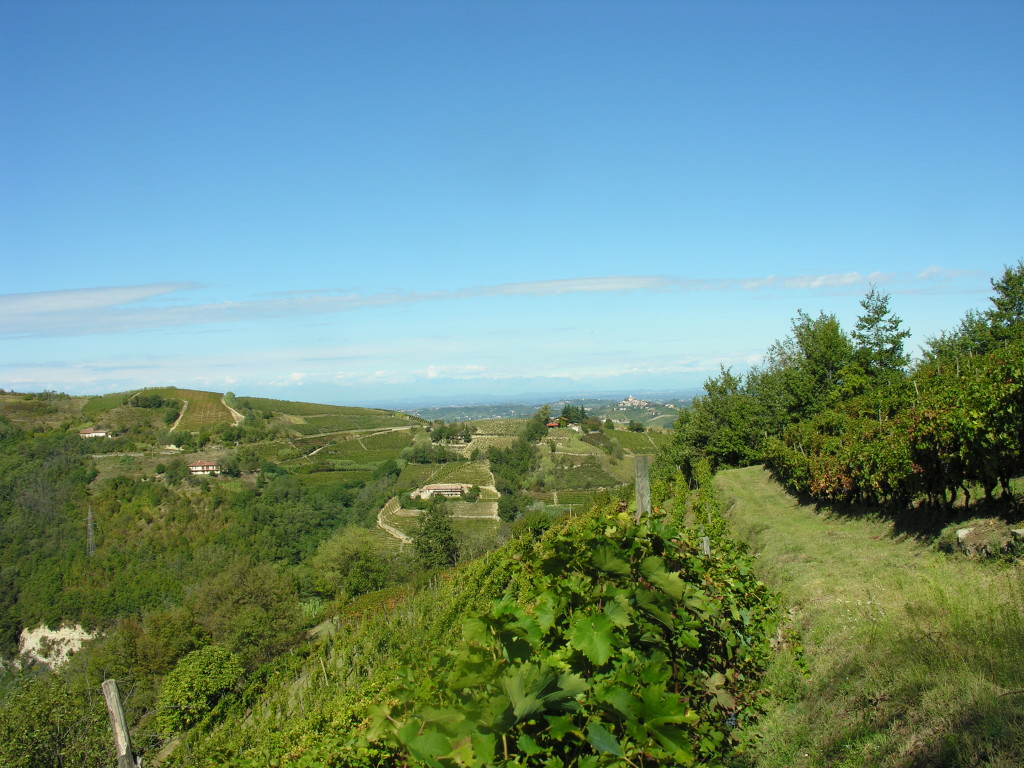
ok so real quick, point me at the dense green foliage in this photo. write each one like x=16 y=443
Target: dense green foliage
x=434 y=540
x=574 y=414
x=195 y=685
x=622 y=645
x=597 y=642
x=452 y=433
x=511 y=466
x=48 y=723
x=845 y=419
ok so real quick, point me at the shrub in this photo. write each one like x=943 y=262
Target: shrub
x=195 y=685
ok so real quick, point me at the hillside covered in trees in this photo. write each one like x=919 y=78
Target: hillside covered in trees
x=109 y=521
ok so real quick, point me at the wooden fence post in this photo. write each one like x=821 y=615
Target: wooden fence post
x=642 y=477
x=122 y=741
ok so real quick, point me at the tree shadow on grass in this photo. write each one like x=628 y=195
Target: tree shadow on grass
x=919 y=520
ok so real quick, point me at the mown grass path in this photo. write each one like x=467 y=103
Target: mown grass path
x=911 y=657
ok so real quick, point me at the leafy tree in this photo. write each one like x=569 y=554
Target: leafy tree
x=1006 y=317
x=176 y=470
x=532 y=524
x=536 y=428
x=434 y=540
x=574 y=414
x=47 y=723
x=512 y=506
x=721 y=427
x=635 y=426
x=801 y=374
x=195 y=685
x=979 y=332
x=353 y=562
x=167 y=635
x=251 y=609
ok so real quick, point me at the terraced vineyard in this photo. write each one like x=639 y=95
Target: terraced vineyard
x=483 y=442
x=331 y=422
x=469 y=472
x=315 y=419
x=293 y=408
x=498 y=427
x=476 y=524
x=640 y=442
x=101 y=404
x=204 y=409
x=366 y=449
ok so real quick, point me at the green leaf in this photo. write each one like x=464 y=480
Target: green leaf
x=622 y=701
x=546 y=611
x=592 y=636
x=570 y=685
x=560 y=726
x=725 y=700
x=429 y=746
x=528 y=746
x=654 y=570
x=619 y=611
x=476 y=631
x=606 y=559
x=651 y=603
x=602 y=740
x=484 y=745
x=445 y=717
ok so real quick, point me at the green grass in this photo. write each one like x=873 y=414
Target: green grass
x=569 y=441
x=913 y=658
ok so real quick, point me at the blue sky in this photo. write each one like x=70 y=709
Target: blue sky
x=374 y=202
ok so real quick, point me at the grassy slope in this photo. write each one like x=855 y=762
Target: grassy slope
x=913 y=658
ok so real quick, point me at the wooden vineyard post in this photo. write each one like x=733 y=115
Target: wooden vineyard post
x=641 y=474
x=122 y=741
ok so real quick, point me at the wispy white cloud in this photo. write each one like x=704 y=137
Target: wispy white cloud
x=15 y=305
x=127 y=309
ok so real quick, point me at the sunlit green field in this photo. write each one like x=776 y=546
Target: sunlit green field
x=910 y=657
